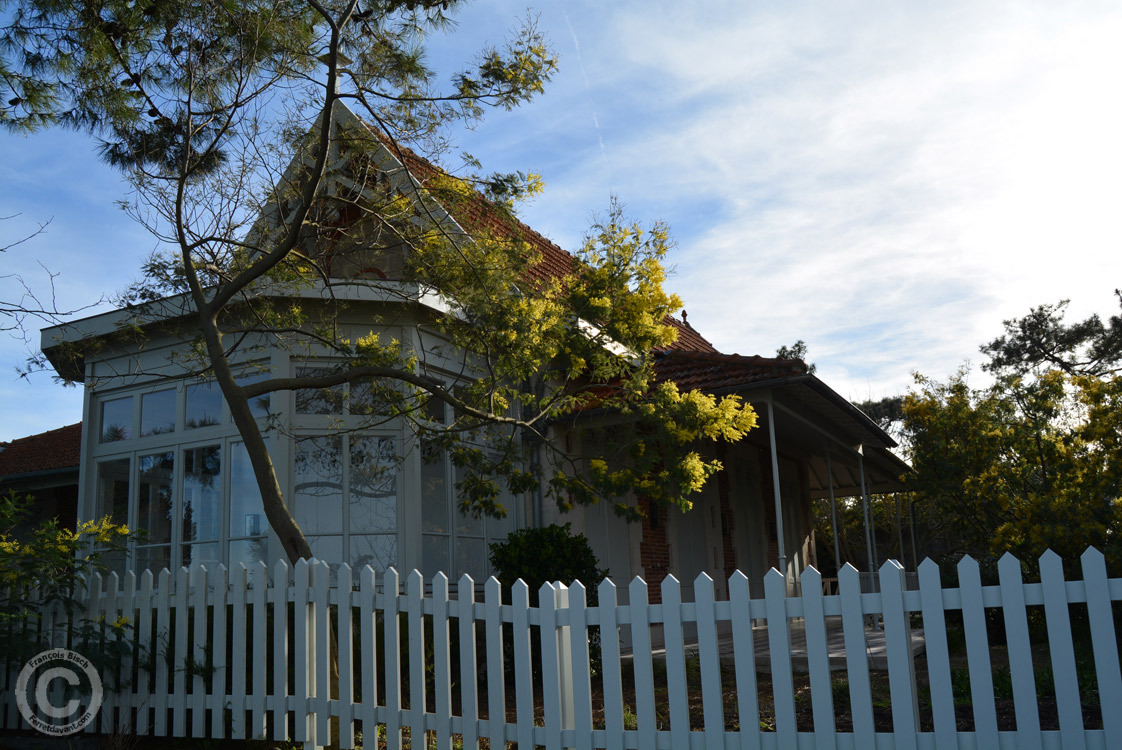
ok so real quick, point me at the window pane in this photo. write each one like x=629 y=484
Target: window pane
x=318 y=400
x=249 y=551
x=157 y=413
x=260 y=405
x=434 y=489
x=434 y=555
x=200 y=554
x=116 y=420
x=379 y=551
x=153 y=558
x=318 y=497
x=327 y=548
x=465 y=522
x=247 y=515
x=204 y=405
x=113 y=490
x=470 y=559
x=154 y=505
x=373 y=485
x=202 y=493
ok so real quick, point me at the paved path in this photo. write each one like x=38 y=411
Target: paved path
x=874 y=646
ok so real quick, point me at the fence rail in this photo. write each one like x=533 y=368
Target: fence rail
x=282 y=654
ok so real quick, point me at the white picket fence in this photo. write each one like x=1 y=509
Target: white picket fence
x=247 y=655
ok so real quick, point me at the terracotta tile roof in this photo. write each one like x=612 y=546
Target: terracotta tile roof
x=54 y=449
x=689 y=340
x=477 y=214
x=709 y=371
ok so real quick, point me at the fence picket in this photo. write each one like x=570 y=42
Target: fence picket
x=496 y=688
x=344 y=649
x=145 y=653
x=551 y=677
x=279 y=597
x=938 y=654
x=856 y=662
x=1062 y=650
x=1020 y=652
x=469 y=668
x=109 y=612
x=368 y=632
x=744 y=650
x=217 y=697
x=818 y=661
x=523 y=676
x=610 y=665
x=442 y=664
x=321 y=575
x=779 y=649
x=642 y=663
x=392 y=650
x=898 y=650
x=978 y=652
x=712 y=700
x=415 y=604
x=238 y=589
x=163 y=634
x=199 y=581
x=1108 y=670
x=127 y=685
x=302 y=638
x=581 y=667
x=259 y=577
x=677 y=691
x=179 y=682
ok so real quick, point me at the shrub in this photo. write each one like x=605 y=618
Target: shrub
x=539 y=556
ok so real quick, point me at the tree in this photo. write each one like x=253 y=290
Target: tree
x=797 y=350
x=1042 y=340
x=1030 y=462
x=227 y=120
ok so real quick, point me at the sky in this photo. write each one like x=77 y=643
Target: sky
x=886 y=181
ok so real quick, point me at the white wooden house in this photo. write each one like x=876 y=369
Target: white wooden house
x=160 y=453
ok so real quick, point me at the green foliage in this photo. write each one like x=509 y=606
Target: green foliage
x=1031 y=462
x=797 y=350
x=40 y=571
x=543 y=555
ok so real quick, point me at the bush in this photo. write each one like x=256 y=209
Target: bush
x=540 y=556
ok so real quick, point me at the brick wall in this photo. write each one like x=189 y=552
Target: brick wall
x=654 y=550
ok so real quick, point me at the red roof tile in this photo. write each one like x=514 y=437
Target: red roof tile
x=713 y=371
x=477 y=214
x=54 y=449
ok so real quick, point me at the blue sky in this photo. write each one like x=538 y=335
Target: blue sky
x=885 y=180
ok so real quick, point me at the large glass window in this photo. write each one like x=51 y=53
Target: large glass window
x=115 y=420
x=202 y=505
x=204 y=405
x=248 y=526
x=157 y=412
x=154 y=510
x=345 y=495
x=112 y=500
x=451 y=541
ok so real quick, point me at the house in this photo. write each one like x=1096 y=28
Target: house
x=160 y=453
x=44 y=466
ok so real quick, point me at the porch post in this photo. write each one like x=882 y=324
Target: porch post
x=833 y=511
x=865 y=504
x=775 y=488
